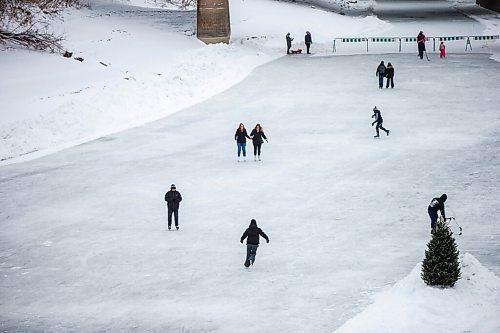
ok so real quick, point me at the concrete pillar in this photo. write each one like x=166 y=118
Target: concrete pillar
x=213 y=24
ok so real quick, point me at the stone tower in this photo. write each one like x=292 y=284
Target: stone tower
x=213 y=25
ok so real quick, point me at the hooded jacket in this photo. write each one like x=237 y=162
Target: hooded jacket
x=437 y=204
x=389 y=71
x=380 y=69
x=253 y=232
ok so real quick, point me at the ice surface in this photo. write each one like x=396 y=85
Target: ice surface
x=84 y=247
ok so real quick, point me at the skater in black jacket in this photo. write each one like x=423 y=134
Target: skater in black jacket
x=378 y=120
x=241 y=140
x=252 y=234
x=421 y=44
x=389 y=74
x=436 y=205
x=380 y=72
x=173 y=198
x=308 y=41
x=288 y=43
x=257 y=136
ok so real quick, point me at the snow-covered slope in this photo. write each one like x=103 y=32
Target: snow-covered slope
x=410 y=306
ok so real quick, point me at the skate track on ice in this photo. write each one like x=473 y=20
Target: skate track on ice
x=84 y=247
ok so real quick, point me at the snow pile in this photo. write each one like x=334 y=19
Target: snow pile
x=410 y=306
x=99 y=109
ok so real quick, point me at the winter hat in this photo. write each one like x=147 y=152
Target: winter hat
x=375 y=109
x=444 y=197
x=253 y=222
x=389 y=64
x=172 y=186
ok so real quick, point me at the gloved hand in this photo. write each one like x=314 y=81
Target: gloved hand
x=267 y=241
x=241 y=241
x=267 y=141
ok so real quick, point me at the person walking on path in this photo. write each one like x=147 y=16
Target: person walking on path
x=378 y=120
x=442 y=50
x=308 y=41
x=421 y=44
x=389 y=74
x=241 y=140
x=380 y=72
x=252 y=235
x=173 y=198
x=288 y=43
x=436 y=205
x=257 y=136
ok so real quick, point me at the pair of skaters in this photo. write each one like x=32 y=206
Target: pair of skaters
x=257 y=136
x=383 y=71
x=307 y=41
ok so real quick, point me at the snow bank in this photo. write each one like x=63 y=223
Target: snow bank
x=410 y=306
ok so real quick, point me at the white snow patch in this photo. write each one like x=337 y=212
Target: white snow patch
x=411 y=306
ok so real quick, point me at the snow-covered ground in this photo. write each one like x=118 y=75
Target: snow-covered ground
x=83 y=245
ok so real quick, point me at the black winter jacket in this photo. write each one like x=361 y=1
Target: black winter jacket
x=173 y=198
x=389 y=71
x=253 y=232
x=257 y=137
x=380 y=70
x=308 y=39
x=240 y=136
x=378 y=117
x=436 y=205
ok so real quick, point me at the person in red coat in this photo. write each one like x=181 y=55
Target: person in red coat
x=442 y=50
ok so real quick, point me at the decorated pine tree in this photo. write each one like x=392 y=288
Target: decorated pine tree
x=441 y=266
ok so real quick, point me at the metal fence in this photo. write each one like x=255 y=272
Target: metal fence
x=401 y=40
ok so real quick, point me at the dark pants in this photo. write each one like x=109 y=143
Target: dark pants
x=256 y=149
x=392 y=82
x=288 y=47
x=251 y=253
x=308 y=45
x=176 y=216
x=379 y=125
x=380 y=80
x=434 y=217
x=421 y=49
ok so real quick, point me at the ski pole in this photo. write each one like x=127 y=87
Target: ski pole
x=459 y=227
x=426 y=55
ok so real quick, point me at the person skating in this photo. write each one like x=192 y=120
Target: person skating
x=421 y=44
x=442 y=50
x=378 y=120
x=288 y=43
x=257 y=136
x=436 y=205
x=252 y=235
x=241 y=140
x=308 y=41
x=389 y=74
x=173 y=198
x=380 y=72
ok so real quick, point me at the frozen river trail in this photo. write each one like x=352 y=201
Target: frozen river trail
x=84 y=248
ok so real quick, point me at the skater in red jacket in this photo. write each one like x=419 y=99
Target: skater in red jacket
x=442 y=50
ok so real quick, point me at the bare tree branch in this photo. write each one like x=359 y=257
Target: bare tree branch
x=26 y=23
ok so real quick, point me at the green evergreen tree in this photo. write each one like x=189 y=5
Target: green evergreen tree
x=441 y=266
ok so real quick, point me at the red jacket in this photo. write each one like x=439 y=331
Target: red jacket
x=422 y=40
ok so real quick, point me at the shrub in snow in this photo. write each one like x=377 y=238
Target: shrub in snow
x=441 y=266
x=26 y=23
